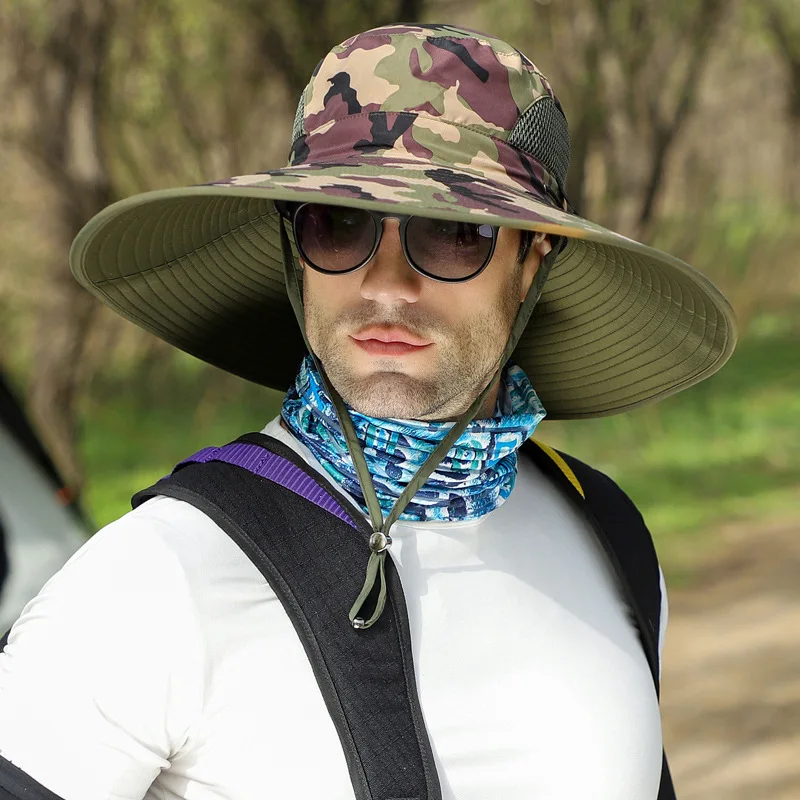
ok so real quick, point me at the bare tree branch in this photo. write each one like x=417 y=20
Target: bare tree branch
x=665 y=127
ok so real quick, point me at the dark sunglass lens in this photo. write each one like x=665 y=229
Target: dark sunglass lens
x=448 y=250
x=334 y=239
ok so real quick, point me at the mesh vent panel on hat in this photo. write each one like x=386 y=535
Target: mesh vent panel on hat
x=297 y=127
x=542 y=133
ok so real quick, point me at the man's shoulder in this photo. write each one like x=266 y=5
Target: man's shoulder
x=622 y=531
x=161 y=526
x=160 y=573
x=173 y=535
x=146 y=549
x=591 y=483
x=166 y=554
x=614 y=515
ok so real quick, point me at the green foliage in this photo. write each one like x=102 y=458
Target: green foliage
x=748 y=247
x=137 y=427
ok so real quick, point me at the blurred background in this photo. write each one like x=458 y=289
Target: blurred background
x=685 y=123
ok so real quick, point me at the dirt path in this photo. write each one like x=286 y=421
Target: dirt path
x=731 y=683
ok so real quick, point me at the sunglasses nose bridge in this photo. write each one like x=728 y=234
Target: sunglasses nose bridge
x=380 y=220
x=380 y=228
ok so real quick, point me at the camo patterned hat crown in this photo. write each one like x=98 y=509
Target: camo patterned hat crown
x=420 y=119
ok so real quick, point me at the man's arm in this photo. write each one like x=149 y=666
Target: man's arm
x=102 y=675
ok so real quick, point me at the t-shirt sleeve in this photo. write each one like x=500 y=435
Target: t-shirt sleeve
x=102 y=675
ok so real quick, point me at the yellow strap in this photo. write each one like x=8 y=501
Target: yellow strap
x=562 y=465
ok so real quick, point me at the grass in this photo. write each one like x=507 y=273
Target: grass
x=727 y=449
x=132 y=439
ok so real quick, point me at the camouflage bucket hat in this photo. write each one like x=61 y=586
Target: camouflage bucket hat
x=419 y=119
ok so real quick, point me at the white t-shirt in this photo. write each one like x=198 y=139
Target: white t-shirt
x=158 y=663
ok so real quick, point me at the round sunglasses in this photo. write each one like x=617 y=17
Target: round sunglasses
x=337 y=240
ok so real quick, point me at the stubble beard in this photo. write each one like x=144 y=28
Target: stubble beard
x=466 y=359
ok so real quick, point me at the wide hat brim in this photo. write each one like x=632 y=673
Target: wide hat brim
x=618 y=325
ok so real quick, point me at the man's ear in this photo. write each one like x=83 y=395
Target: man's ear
x=542 y=244
x=540 y=247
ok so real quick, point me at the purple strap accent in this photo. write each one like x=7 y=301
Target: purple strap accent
x=266 y=464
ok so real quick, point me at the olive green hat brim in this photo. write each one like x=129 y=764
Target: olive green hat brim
x=619 y=324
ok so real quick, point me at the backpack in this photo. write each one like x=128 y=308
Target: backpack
x=288 y=520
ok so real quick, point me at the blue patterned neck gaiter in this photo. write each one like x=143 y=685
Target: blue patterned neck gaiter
x=475 y=476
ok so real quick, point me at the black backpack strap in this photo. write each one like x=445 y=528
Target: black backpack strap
x=310 y=543
x=623 y=534
x=3 y=554
x=15 y=784
x=666 y=789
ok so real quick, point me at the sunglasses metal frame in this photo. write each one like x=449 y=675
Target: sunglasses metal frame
x=290 y=212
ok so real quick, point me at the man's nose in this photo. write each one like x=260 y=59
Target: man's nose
x=388 y=277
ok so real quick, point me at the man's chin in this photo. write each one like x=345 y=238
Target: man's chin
x=390 y=395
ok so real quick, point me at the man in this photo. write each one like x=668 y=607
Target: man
x=425 y=202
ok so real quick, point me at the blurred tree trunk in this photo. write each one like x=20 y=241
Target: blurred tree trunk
x=60 y=55
x=783 y=22
x=666 y=116
x=656 y=55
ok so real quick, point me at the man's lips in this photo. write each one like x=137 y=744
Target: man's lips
x=390 y=333
x=389 y=341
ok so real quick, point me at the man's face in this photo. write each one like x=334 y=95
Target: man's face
x=396 y=344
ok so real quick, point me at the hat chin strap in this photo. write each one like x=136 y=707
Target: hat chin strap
x=381 y=526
